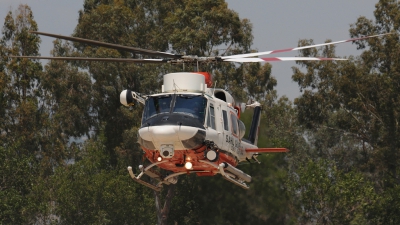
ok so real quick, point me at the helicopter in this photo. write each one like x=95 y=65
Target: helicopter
x=191 y=126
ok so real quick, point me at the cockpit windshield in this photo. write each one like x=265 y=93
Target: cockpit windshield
x=190 y=105
x=156 y=105
x=193 y=105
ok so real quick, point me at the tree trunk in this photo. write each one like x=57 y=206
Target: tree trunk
x=162 y=214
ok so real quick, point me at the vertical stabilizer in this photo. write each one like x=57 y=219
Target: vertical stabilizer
x=255 y=123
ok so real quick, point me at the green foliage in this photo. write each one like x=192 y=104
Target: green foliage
x=15 y=186
x=351 y=110
x=90 y=192
x=67 y=94
x=19 y=78
x=259 y=80
x=197 y=27
x=387 y=207
x=326 y=195
x=21 y=121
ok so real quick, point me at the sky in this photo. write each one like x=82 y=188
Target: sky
x=277 y=24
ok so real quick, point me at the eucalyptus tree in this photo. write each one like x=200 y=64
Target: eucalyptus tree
x=21 y=121
x=191 y=27
x=352 y=108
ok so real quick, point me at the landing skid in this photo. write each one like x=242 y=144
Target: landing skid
x=170 y=179
x=227 y=171
x=239 y=183
x=230 y=176
x=137 y=179
x=234 y=175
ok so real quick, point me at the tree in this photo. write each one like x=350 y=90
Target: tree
x=20 y=78
x=322 y=191
x=21 y=120
x=39 y=117
x=88 y=192
x=159 y=25
x=355 y=103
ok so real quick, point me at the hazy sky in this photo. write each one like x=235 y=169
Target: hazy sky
x=277 y=24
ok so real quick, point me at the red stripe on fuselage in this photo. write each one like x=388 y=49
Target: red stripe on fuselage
x=176 y=163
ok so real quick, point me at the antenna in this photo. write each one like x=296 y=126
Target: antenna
x=214 y=88
x=176 y=87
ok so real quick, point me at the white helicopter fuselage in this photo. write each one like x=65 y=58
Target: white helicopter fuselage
x=186 y=114
x=191 y=127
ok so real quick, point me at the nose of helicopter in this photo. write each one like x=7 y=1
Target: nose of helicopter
x=181 y=137
x=162 y=133
x=177 y=130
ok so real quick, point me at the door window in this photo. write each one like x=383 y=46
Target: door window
x=225 y=117
x=234 y=124
x=211 y=117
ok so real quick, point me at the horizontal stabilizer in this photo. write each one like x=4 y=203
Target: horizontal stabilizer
x=266 y=150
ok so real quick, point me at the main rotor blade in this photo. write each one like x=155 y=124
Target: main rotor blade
x=96 y=59
x=279 y=59
x=113 y=46
x=298 y=48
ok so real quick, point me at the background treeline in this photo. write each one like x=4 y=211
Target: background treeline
x=65 y=140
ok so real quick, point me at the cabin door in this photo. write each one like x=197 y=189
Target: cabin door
x=213 y=127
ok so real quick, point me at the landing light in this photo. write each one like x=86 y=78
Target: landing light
x=188 y=165
x=159 y=158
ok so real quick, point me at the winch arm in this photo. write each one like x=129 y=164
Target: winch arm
x=138 y=97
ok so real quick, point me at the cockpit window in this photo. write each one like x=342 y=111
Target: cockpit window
x=192 y=105
x=157 y=104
